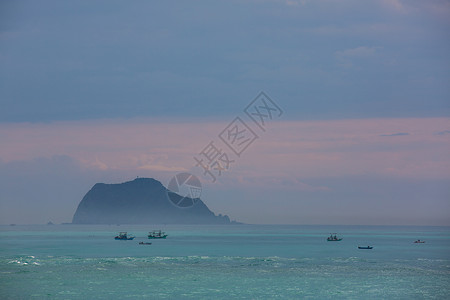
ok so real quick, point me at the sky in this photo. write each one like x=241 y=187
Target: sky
x=105 y=91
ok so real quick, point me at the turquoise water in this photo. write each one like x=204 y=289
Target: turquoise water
x=222 y=262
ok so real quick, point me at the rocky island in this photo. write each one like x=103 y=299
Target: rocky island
x=141 y=201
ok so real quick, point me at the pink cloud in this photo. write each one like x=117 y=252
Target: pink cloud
x=288 y=152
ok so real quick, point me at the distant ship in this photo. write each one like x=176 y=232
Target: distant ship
x=333 y=238
x=157 y=234
x=144 y=243
x=419 y=242
x=124 y=236
x=368 y=247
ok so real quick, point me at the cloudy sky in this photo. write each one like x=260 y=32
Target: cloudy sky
x=104 y=91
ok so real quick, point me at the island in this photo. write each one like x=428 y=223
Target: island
x=141 y=201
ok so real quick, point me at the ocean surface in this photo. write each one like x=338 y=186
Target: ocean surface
x=224 y=262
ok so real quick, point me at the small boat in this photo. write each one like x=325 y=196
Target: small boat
x=333 y=238
x=157 y=234
x=144 y=243
x=368 y=247
x=419 y=242
x=123 y=236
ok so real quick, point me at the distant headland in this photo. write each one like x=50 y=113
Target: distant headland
x=141 y=201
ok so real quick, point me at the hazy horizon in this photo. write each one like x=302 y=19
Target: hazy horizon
x=108 y=91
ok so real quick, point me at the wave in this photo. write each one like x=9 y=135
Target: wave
x=269 y=262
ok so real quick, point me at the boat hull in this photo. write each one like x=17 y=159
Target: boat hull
x=157 y=237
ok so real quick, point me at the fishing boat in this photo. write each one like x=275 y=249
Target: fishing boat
x=333 y=238
x=419 y=242
x=144 y=243
x=368 y=247
x=124 y=236
x=157 y=234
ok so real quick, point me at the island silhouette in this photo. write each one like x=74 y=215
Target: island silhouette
x=141 y=201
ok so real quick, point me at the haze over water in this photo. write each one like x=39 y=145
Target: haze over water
x=288 y=112
x=105 y=92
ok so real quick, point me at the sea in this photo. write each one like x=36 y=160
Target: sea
x=224 y=262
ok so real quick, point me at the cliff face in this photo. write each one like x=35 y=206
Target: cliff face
x=141 y=201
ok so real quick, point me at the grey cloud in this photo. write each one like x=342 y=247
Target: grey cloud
x=443 y=132
x=395 y=134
